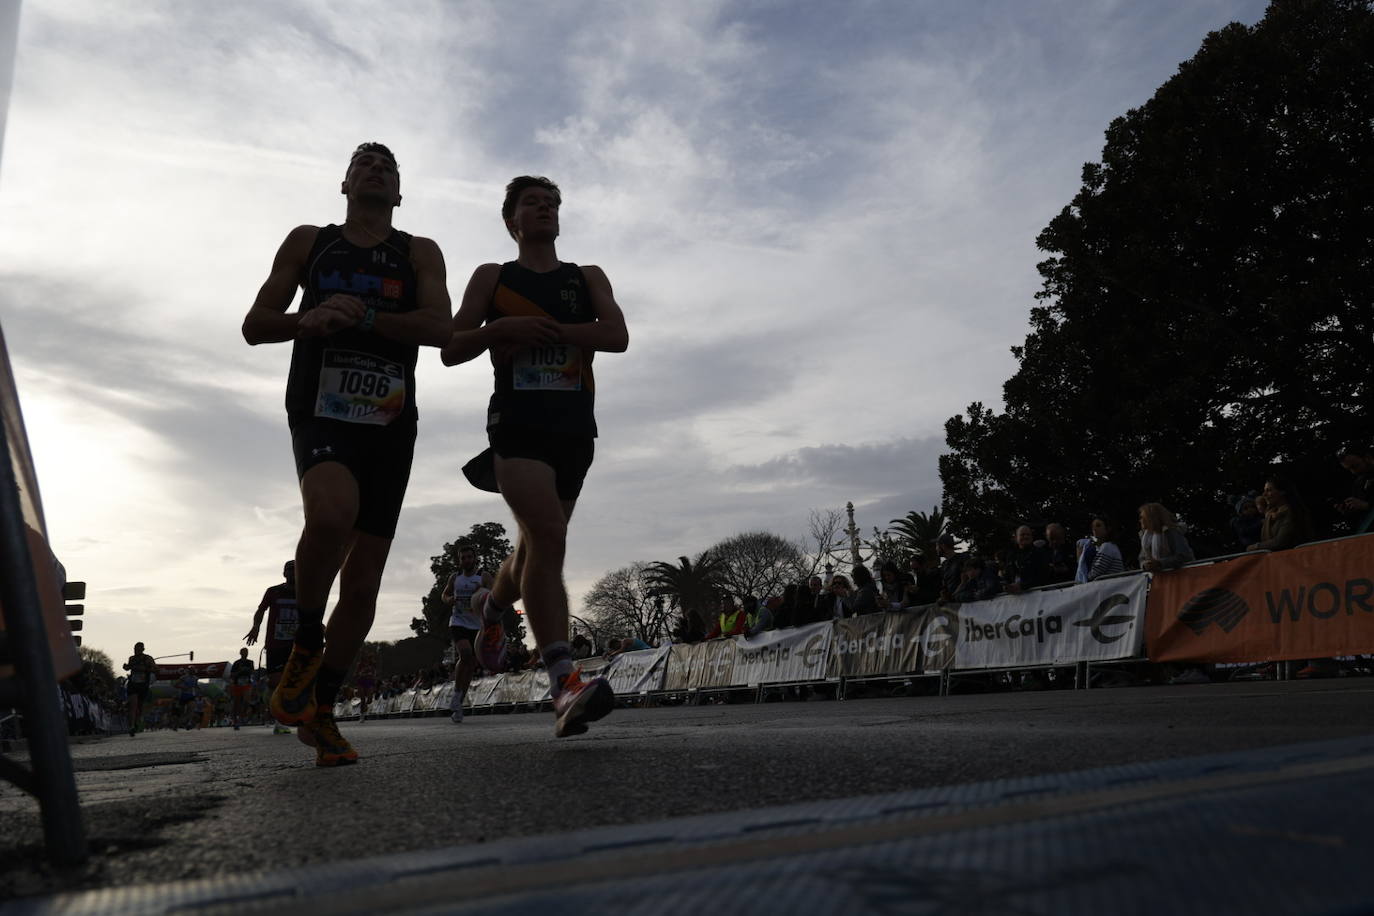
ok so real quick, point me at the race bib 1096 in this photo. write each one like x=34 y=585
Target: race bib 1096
x=360 y=388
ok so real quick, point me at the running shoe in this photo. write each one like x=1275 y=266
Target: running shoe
x=491 y=647
x=279 y=729
x=293 y=702
x=491 y=642
x=331 y=748
x=581 y=702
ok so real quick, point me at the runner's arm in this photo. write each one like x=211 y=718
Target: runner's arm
x=252 y=636
x=608 y=332
x=429 y=324
x=470 y=338
x=448 y=597
x=267 y=320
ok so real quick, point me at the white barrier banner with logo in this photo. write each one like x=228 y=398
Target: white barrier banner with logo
x=1095 y=621
x=782 y=656
x=636 y=672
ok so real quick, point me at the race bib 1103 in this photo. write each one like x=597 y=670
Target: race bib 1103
x=556 y=367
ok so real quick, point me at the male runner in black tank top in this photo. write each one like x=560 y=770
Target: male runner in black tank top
x=371 y=295
x=543 y=320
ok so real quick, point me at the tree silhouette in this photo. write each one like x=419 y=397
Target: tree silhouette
x=688 y=585
x=1205 y=313
x=917 y=532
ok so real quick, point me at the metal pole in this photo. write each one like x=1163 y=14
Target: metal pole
x=51 y=759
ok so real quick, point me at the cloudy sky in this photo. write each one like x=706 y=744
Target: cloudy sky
x=819 y=219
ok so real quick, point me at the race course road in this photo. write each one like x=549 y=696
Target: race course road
x=174 y=805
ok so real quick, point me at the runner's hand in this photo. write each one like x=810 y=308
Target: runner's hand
x=351 y=306
x=320 y=322
x=524 y=331
x=252 y=636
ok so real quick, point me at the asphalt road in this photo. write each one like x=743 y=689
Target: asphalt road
x=174 y=805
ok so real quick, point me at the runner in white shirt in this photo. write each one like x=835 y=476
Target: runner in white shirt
x=464 y=623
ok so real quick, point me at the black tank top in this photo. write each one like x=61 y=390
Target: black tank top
x=355 y=376
x=548 y=388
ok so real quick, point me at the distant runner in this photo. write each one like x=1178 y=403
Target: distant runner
x=366 y=680
x=187 y=689
x=279 y=603
x=141 y=668
x=543 y=321
x=464 y=623
x=240 y=685
x=371 y=295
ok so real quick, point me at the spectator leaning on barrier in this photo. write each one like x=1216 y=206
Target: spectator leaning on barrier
x=1163 y=544
x=1286 y=523
x=971 y=585
x=836 y=601
x=1063 y=558
x=1098 y=556
x=1358 y=507
x=865 y=599
x=580 y=648
x=1028 y=565
x=926 y=571
x=951 y=566
x=784 y=611
x=895 y=585
x=750 y=605
x=763 y=617
x=1247 y=522
x=730 y=621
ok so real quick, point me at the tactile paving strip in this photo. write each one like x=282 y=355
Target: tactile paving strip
x=1281 y=830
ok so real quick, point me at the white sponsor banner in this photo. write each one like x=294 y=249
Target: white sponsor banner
x=780 y=656
x=1095 y=621
x=593 y=666
x=539 y=686
x=635 y=672
x=482 y=689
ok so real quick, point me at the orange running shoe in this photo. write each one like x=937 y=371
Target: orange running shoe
x=581 y=702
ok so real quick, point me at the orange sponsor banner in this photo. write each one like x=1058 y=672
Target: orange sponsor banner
x=1309 y=602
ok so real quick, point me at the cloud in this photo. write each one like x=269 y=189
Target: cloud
x=819 y=220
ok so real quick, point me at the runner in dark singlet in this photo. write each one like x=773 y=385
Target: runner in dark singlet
x=141 y=668
x=371 y=296
x=279 y=604
x=240 y=685
x=543 y=321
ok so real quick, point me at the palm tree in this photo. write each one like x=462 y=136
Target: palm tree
x=688 y=585
x=918 y=531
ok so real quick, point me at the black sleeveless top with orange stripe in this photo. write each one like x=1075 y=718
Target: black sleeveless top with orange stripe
x=550 y=388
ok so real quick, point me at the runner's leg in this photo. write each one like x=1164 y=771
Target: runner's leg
x=329 y=493
x=528 y=487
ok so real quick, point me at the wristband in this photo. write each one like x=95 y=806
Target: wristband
x=369 y=319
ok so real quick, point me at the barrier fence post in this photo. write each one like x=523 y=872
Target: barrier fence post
x=53 y=777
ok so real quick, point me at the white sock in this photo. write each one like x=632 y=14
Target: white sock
x=458 y=699
x=558 y=662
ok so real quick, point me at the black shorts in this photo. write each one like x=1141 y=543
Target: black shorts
x=458 y=634
x=569 y=456
x=277 y=654
x=138 y=690
x=379 y=458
